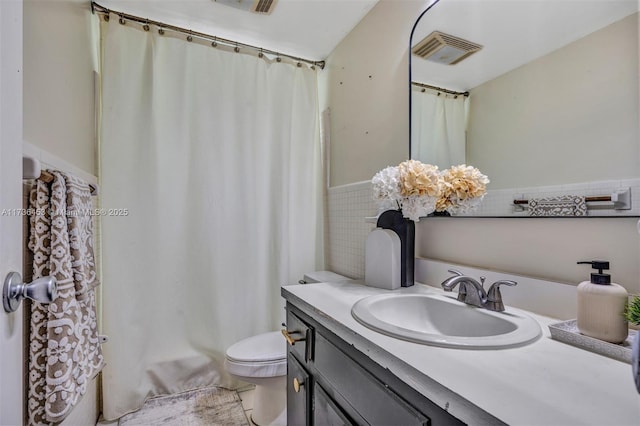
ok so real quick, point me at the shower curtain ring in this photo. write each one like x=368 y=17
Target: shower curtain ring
x=146 y=26
x=260 y=54
x=236 y=49
x=122 y=20
x=190 y=37
x=214 y=43
x=278 y=58
x=161 y=31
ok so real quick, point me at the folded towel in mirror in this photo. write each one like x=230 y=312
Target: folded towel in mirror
x=564 y=205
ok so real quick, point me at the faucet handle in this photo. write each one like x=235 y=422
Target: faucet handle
x=494 y=294
x=509 y=283
x=455 y=272
x=494 y=297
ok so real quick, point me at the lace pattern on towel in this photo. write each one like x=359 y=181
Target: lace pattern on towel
x=64 y=350
x=565 y=205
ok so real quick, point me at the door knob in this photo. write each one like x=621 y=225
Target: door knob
x=43 y=290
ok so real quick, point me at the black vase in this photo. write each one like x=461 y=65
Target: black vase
x=406 y=230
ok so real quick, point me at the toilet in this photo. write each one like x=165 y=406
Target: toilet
x=262 y=361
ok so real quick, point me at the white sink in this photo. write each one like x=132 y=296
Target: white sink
x=440 y=320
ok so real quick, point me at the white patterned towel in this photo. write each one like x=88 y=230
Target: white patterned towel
x=64 y=351
x=565 y=205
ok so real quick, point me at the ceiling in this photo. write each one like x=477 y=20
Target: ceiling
x=307 y=28
x=513 y=33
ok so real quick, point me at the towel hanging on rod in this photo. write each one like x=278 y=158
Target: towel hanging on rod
x=32 y=169
x=620 y=199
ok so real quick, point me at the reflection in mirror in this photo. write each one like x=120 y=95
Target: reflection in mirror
x=541 y=95
x=438 y=125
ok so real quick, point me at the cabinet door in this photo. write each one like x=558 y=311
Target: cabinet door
x=370 y=398
x=298 y=393
x=325 y=411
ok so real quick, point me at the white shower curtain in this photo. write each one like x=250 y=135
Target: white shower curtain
x=210 y=183
x=438 y=127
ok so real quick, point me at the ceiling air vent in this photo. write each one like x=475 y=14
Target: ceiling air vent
x=263 y=7
x=444 y=48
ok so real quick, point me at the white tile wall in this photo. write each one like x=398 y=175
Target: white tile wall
x=347 y=230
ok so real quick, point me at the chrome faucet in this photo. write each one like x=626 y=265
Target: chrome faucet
x=472 y=292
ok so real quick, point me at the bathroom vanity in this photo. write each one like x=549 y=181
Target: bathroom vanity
x=341 y=372
x=331 y=383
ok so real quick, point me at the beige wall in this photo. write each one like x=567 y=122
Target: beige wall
x=538 y=247
x=58 y=91
x=553 y=114
x=58 y=80
x=366 y=85
x=546 y=248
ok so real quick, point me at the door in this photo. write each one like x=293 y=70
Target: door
x=11 y=358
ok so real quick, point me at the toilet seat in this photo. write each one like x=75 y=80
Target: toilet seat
x=264 y=355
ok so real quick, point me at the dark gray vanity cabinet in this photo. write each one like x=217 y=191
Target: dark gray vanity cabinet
x=329 y=382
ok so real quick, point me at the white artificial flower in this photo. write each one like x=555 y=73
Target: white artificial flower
x=466 y=206
x=386 y=184
x=418 y=206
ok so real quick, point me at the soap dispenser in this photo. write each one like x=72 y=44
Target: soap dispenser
x=601 y=306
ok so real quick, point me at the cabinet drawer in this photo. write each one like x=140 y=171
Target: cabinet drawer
x=298 y=393
x=300 y=337
x=369 y=397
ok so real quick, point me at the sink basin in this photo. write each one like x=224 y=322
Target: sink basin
x=440 y=320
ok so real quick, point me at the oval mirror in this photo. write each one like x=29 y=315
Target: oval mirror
x=541 y=95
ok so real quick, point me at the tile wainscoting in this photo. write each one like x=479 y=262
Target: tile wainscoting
x=347 y=230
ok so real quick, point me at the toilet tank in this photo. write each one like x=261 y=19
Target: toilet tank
x=315 y=277
x=323 y=277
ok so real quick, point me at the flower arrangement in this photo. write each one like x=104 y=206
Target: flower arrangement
x=419 y=189
x=463 y=188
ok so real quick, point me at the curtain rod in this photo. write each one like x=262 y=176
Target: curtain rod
x=440 y=89
x=97 y=8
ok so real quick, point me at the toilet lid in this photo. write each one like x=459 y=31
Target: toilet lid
x=263 y=347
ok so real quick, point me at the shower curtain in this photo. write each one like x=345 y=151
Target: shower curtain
x=438 y=127
x=210 y=183
x=64 y=350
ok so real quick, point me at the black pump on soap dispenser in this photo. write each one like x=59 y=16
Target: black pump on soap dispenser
x=599 y=278
x=601 y=305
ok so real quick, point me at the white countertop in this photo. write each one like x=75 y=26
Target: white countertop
x=544 y=383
